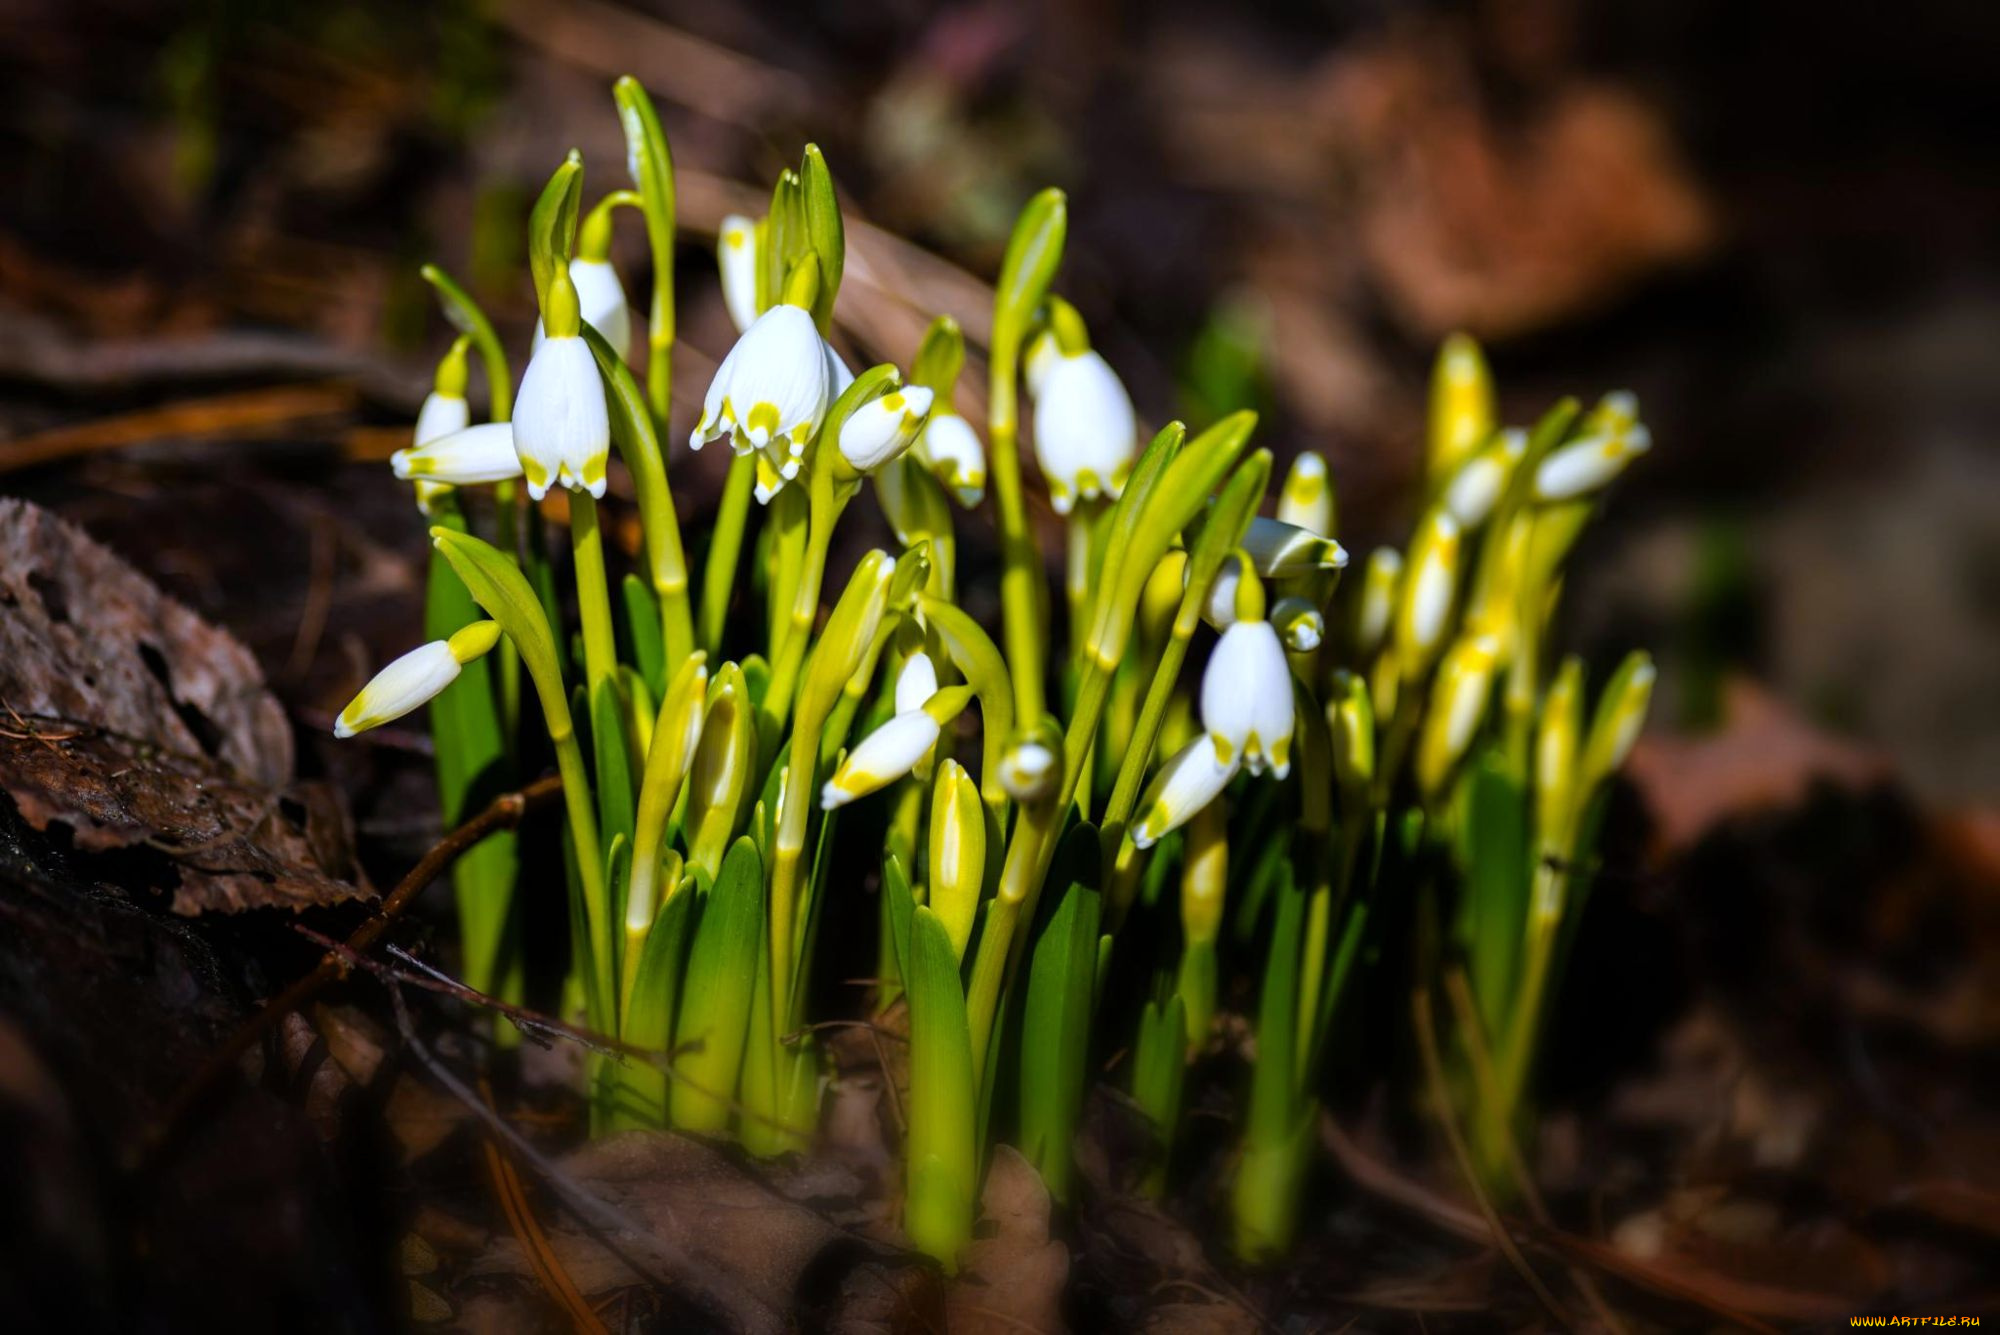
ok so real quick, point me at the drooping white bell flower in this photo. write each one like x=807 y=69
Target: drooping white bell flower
x=415 y=679
x=1246 y=698
x=1086 y=433
x=772 y=389
x=950 y=449
x=466 y=458
x=1584 y=466
x=1189 y=781
x=1029 y=769
x=736 y=256
x=1301 y=626
x=883 y=427
x=1281 y=550
x=880 y=758
x=562 y=430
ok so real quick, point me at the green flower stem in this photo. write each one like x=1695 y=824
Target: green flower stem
x=786 y=518
x=725 y=550
x=827 y=501
x=593 y=592
x=1083 y=517
x=1021 y=569
x=1029 y=855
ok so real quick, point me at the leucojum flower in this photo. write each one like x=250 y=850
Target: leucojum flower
x=415 y=679
x=1086 y=433
x=562 y=430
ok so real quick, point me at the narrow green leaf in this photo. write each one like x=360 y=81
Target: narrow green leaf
x=552 y=223
x=642 y=1094
x=899 y=903
x=467 y=317
x=940 y=1150
x=714 y=1020
x=1034 y=251
x=615 y=792
x=823 y=231
x=652 y=167
x=499 y=587
x=940 y=357
x=642 y=629
x=1055 y=1036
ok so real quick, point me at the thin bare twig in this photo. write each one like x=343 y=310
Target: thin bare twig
x=504 y=812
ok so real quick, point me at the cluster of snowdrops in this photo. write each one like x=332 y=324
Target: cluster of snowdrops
x=1219 y=755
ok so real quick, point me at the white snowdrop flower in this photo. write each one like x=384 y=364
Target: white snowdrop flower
x=1189 y=781
x=950 y=449
x=483 y=453
x=562 y=429
x=442 y=415
x=1428 y=591
x=883 y=427
x=772 y=389
x=1477 y=486
x=1029 y=769
x=916 y=683
x=1457 y=706
x=1588 y=465
x=1280 y=550
x=1379 y=586
x=415 y=679
x=1246 y=698
x=880 y=758
x=737 y=257
x=1300 y=625
x=1086 y=434
x=1306 y=501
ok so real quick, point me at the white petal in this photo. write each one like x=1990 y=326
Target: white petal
x=1042 y=354
x=410 y=681
x=1588 y=465
x=483 y=453
x=1028 y=770
x=882 y=757
x=1193 y=778
x=441 y=415
x=736 y=256
x=771 y=387
x=1086 y=433
x=1246 y=698
x=951 y=450
x=883 y=428
x=1476 y=488
x=1220 y=609
x=839 y=374
x=562 y=430
x=916 y=683
x=601 y=298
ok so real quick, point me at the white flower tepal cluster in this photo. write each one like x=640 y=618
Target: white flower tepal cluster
x=1086 y=433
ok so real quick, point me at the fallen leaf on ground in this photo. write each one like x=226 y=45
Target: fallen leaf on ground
x=1013 y=1274
x=1763 y=758
x=132 y=721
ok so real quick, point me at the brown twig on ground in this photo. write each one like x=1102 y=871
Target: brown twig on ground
x=1378 y=1179
x=504 y=811
x=1496 y=1228
x=549 y=1269
x=219 y=415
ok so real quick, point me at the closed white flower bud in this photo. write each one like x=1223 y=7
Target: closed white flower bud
x=1282 y=551
x=1219 y=609
x=883 y=428
x=1307 y=498
x=1588 y=465
x=772 y=389
x=562 y=430
x=1029 y=769
x=950 y=448
x=1457 y=705
x=1189 y=781
x=1477 y=486
x=483 y=453
x=1380 y=585
x=1424 y=612
x=880 y=758
x=1246 y=699
x=1621 y=713
x=736 y=256
x=1300 y=624
x=600 y=299
x=916 y=683
x=415 y=679
x=1086 y=434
